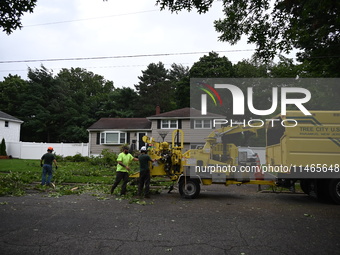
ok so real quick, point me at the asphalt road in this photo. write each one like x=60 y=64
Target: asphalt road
x=223 y=220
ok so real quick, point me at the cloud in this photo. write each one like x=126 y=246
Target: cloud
x=77 y=28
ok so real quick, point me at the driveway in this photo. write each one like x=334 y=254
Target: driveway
x=223 y=220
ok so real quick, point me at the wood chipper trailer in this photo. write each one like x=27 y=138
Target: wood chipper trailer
x=215 y=163
x=308 y=152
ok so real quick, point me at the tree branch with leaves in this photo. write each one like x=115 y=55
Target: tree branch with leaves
x=312 y=26
x=11 y=12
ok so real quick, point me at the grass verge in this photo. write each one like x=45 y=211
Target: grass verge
x=21 y=176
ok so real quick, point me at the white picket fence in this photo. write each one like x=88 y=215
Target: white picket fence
x=27 y=150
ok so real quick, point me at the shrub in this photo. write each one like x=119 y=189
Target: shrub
x=107 y=159
x=110 y=158
x=79 y=158
x=3 y=148
x=96 y=161
x=76 y=158
x=68 y=158
x=59 y=158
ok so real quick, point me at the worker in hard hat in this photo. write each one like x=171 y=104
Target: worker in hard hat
x=46 y=163
x=144 y=173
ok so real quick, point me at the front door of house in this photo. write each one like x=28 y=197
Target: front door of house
x=140 y=139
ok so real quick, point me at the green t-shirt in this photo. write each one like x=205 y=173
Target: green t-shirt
x=48 y=158
x=144 y=162
x=125 y=159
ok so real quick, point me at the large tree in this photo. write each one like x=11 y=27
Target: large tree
x=85 y=93
x=179 y=76
x=250 y=68
x=212 y=66
x=58 y=108
x=120 y=103
x=11 y=12
x=312 y=26
x=11 y=94
x=43 y=104
x=155 y=88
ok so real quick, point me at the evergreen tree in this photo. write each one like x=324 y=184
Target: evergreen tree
x=3 y=148
x=155 y=88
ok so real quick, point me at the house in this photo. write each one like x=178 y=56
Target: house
x=112 y=133
x=195 y=126
x=9 y=127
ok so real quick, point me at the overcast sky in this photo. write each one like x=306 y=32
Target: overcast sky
x=66 y=29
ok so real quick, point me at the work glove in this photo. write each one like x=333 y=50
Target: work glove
x=41 y=165
x=56 y=167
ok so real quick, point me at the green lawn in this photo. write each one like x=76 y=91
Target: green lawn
x=67 y=172
x=21 y=176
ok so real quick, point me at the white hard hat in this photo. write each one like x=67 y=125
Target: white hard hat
x=143 y=148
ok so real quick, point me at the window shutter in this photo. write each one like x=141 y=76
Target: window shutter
x=98 y=138
x=192 y=124
x=128 y=137
x=179 y=124
x=158 y=124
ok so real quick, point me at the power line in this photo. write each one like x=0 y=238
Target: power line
x=99 y=67
x=115 y=57
x=77 y=20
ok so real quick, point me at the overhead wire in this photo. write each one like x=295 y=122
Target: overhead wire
x=115 y=57
x=85 y=19
x=105 y=57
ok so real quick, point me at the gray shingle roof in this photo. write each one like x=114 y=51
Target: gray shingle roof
x=121 y=123
x=185 y=113
x=5 y=116
x=145 y=123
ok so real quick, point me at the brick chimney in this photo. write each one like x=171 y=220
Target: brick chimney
x=158 y=110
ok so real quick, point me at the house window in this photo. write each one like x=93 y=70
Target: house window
x=196 y=146
x=201 y=124
x=6 y=123
x=113 y=138
x=169 y=124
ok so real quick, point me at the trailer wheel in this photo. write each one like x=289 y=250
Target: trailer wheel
x=334 y=190
x=189 y=188
x=322 y=192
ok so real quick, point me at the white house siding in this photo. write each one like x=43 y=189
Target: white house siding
x=10 y=133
